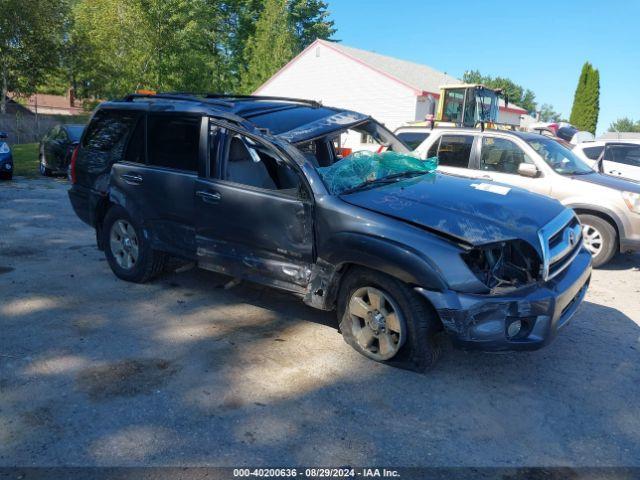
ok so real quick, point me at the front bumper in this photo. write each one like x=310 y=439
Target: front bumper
x=6 y=163
x=482 y=321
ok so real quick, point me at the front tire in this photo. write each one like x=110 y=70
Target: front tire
x=128 y=251
x=600 y=239
x=385 y=320
x=44 y=171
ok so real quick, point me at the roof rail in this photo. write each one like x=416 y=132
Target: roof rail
x=244 y=98
x=184 y=96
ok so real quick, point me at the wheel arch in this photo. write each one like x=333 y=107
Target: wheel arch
x=379 y=255
x=605 y=215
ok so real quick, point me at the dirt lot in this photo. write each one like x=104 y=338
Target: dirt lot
x=95 y=371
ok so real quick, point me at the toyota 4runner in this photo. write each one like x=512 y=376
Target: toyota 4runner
x=256 y=188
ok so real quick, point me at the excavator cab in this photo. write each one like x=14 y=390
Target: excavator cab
x=468 y=105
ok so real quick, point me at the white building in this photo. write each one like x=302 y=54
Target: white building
x=390 y=90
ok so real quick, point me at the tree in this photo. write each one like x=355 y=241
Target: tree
x=625 y=124
x=586 y=102
x=310 y=20
x=272 y=45
x=548 y=114
x=30 y=41
x=516 y=94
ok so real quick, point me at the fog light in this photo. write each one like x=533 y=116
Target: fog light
x=7 y=166
x=514 y=328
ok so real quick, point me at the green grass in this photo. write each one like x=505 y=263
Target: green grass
x=25 y=160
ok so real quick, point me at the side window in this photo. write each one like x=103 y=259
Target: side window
x=455 y=150
x=592 y=153
x=253 y=164
x=135 y=148
x=106 y=138
x=501 y=155
x=452 y=108
x=624 y=154
x=173 y=141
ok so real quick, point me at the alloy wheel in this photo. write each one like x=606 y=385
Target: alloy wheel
x=377 y=323
x=124 y=244
x=593 y=240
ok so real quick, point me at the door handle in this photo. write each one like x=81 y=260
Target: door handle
x=131 y=178
x=209 y=197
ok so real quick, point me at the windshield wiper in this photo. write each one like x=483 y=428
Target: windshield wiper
x=382 y=181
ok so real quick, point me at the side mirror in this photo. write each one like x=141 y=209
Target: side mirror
x=3 y=135
x=528 y=170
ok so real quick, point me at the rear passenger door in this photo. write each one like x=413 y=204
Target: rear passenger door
x=454 y=152
x=159 y=177
x=254 y=213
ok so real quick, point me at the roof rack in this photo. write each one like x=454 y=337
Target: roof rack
x=244 y=98
x=184 y=96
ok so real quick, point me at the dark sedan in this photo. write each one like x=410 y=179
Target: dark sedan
x=57 y=147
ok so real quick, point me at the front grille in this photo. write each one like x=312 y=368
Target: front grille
x=561 y=240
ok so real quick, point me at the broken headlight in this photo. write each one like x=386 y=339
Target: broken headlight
x=504 y=265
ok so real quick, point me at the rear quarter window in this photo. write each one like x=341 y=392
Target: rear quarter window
x=592 y=153
x=413 y=139
x=105 y=141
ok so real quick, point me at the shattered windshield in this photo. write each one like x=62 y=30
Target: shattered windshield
x=366 y=169
x=560 y=158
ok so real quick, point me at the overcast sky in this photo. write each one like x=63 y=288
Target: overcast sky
x=539 y=45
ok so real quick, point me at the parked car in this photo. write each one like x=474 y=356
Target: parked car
x=56 y=148
x=608 y=208
x=253 y=187
x=6 y=158
x=620 y=158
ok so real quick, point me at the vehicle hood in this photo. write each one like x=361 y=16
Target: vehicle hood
x=469 y=210
x=610 y=181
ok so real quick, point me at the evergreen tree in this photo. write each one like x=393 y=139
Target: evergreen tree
x=271 y=46
x=586 y=102
x=310 y=20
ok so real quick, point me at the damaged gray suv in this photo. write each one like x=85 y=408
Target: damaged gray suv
x=268 y=189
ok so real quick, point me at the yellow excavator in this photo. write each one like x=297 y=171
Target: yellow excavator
x=465 y=105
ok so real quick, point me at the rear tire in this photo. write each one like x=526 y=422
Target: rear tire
x=600 y=238
x=128 y=251
x=384 y=319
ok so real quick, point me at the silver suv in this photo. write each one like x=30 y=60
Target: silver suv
x=608 y=207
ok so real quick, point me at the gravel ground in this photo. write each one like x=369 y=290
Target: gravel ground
x=96 y=371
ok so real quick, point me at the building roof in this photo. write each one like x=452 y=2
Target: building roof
x=62 y=103
x=620 y=136
x=420 y=77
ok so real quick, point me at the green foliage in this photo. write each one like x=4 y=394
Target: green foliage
x=25 y=159
x=548 y=114
x=271 y=46
x=625 y=124
x=517 y=94
x=310 y=20
x=586 y=102
x=31 y=33
x=112 y=47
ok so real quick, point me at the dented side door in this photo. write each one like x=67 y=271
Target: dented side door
x=248 y=232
